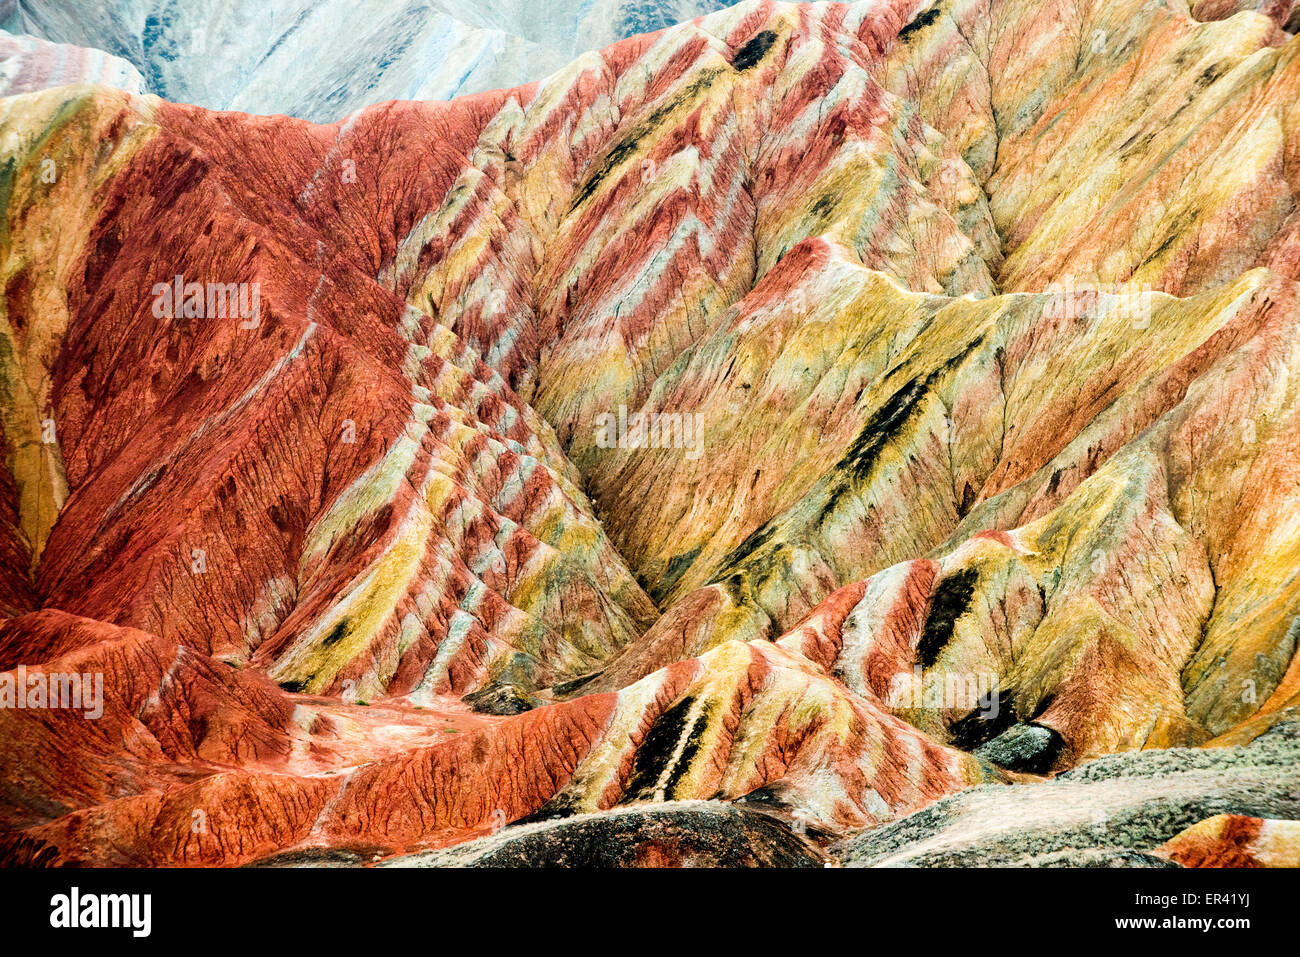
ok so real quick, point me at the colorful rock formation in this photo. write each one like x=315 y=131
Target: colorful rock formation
x=811 y=410
x=28 y=64
x=1229 y=840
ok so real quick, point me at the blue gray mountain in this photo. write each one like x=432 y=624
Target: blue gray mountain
x=322 y=59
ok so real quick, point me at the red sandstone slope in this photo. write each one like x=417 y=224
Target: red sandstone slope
x=936 y=441
x=222 y=767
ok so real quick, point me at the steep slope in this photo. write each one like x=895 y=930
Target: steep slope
x=353 y=451
x=816 y=408
x=962 y=420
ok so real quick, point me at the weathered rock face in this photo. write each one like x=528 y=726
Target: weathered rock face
x=815 y=411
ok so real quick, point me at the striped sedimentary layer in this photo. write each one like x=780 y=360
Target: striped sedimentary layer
x=354 y=480
x=1034 y=503
x=195 y=761
x=984 y=320
x=28 y=64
